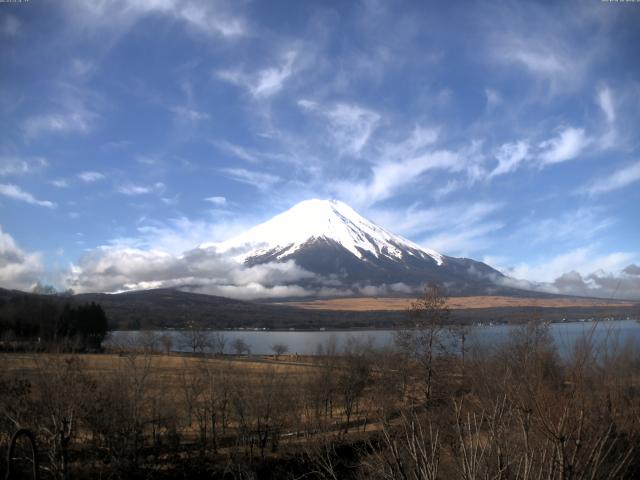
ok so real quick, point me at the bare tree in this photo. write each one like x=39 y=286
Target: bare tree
x=149 y=340
x=460 y=333
x=353 y=378
x=279 y=349
x=240 y=346
x=195 y=339
x=422 y=339
x=192 y=385
x=217 y=343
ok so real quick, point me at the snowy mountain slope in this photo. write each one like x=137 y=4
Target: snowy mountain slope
x=328 y=220
x=331 y=240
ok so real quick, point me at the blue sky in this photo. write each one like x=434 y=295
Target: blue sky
x=502 y=131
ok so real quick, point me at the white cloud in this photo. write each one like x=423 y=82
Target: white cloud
x=15 y=192
x=539 y=61
x=60 y=183
x=147 y=159
x=600 y=284
x=388 y=177
x=610 y=138
x=416 y=220
x=616 y=180
x=401 y=164
x=14 y=165
x=90 y=177
x=450 y=187
x=180 y=234
x=420 y=139
x=253 y=291
x=132 y=189
x=586 y=220
x=217 y=201
x=78 y=121
x=567 y=145
x=464 y=241
x=350 y=126
x=260 y=180
x=81 y=67
x=237 y=151
x=189 y=114
x=263 y=83
x=111 y=269
x=207 y=18
x=493 y=98
x=454 y=229
x=510 y=156
x=18 y=269
x=583 y=260
x=605 y=101
x=271 y=80
x=541 y=41
x=580 y=272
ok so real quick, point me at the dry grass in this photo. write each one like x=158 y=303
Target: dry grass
x=168 y=369
x=455 y=303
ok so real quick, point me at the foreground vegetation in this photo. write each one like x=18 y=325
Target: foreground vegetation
x=419 y=410
x=514 y=413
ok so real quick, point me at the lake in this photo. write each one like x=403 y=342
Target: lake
x=610 y=333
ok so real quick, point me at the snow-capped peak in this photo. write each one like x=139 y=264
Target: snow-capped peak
x=315 y=219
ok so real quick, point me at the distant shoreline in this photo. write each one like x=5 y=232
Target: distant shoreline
x=368 y=329
x=366 y=304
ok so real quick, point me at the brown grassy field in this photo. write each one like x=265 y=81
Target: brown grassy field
x=364 y=304
x=167 y=368
x=356 y=415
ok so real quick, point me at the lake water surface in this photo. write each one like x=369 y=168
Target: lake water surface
x=611 y=334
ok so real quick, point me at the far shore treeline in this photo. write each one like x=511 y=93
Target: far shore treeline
x=38 y=320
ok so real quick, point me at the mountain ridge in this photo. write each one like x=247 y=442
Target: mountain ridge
x=342 y=248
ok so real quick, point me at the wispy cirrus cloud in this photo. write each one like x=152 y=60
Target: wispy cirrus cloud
x=616 y=180
x=563 y=227
x=16 y=193
x=208 y=18
x=237 y=151
x=263 y=83
x=402 y=164
x=350 y=126
x=189 y=114
x=454 y=229
x=388 y=177
x=90 y=177
x=540 y=40
x=606 y=103
x=133 y=189
x=510 y=156
x=21 y=165
x=60 y=183
x=217 y=201
x=567 y=145
x=78 y=121
x=466 y=241
x=260 y=180
x=605 y=99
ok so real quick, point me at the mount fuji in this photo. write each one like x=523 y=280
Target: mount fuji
x=341 y=248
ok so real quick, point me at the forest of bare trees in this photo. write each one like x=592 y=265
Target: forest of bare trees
x=416 y=410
